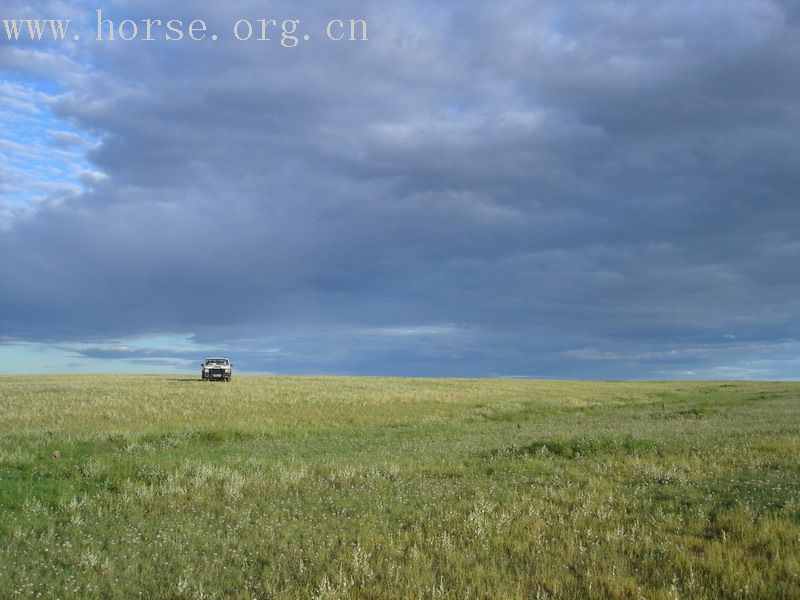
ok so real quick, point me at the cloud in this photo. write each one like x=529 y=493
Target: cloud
x=411 y=331
x=505 y=188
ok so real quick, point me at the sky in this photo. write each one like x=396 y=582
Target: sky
x=543 y=189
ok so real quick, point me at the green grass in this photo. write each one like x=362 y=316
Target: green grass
x=277 y=487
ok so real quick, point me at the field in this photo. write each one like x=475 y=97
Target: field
x=278 y=487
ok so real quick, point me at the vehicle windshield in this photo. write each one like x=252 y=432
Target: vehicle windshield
x=216 y=361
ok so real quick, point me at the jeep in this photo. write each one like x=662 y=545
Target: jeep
x=216 y=369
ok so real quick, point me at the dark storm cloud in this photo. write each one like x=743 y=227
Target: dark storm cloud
x=601 y=189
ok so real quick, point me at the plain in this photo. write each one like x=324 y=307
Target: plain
x=281 y=487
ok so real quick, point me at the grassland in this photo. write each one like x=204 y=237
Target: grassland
x=274 y=487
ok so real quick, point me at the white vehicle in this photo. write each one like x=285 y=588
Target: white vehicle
x=216 y=369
